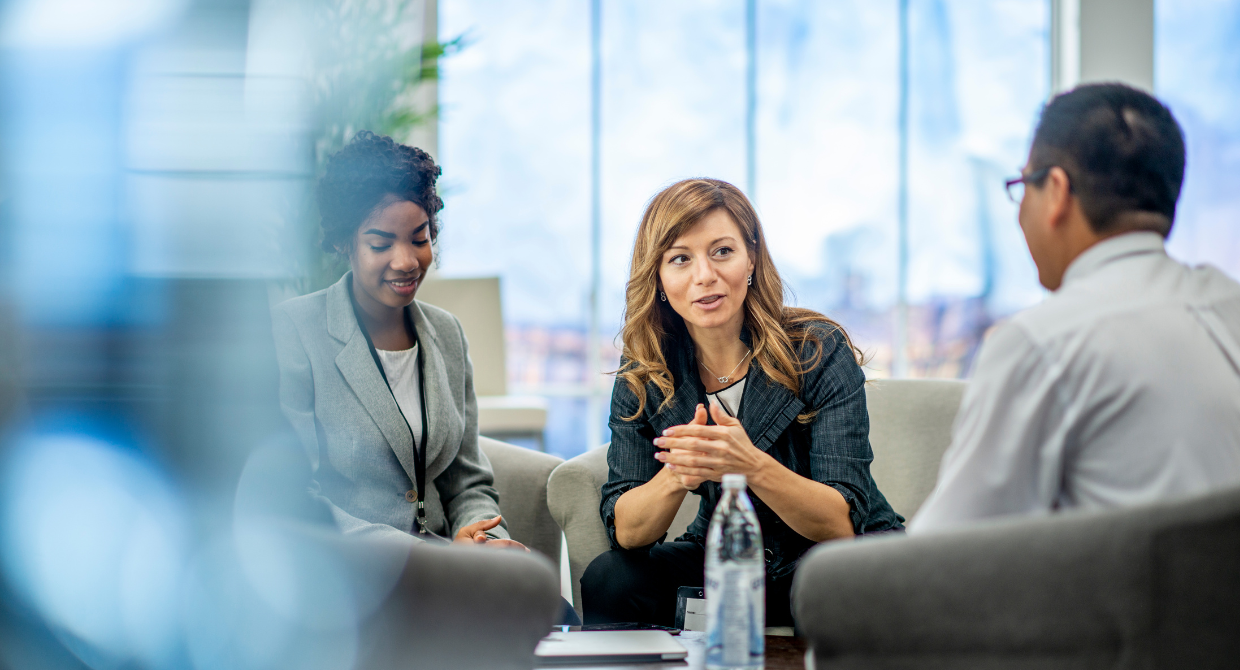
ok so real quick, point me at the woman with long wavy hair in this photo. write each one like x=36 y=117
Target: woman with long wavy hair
x=718 y=376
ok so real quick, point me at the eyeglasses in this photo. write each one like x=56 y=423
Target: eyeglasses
x=1016 y=186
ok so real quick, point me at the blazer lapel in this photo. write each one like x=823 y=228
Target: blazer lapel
x=689 y=392
x=357 y=367
x=767 y=408
x=436 y=371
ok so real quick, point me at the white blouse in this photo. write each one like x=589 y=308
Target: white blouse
x=730 y=396
x=401 y=368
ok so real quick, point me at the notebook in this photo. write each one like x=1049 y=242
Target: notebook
x=609 y=646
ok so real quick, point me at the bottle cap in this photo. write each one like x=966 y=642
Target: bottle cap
x=734 y=481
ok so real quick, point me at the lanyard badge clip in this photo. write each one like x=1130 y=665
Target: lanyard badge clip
x=422 y=518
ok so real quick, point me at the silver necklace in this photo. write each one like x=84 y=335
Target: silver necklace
x=724 y=380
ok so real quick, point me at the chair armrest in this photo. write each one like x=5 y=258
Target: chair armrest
x=1079 y=586
x=379 y=602
x=456 y=607
x=521 y=479
x=574 y=492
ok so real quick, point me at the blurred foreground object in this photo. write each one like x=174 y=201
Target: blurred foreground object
x=1154 y=586
x=153 y=510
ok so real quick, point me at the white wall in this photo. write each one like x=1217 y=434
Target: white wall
x=1102 y=40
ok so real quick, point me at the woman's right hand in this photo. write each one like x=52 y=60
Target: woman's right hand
x=689 y=482
x=644 y=513
x=476 y=533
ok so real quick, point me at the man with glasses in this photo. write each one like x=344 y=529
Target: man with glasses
x=1123 y=386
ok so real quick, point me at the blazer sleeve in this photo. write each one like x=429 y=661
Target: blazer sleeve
x=840 y=453
x=467 y=486
x=297 y=403
x=630 y=458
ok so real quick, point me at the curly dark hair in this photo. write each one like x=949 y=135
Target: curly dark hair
x=359 y=176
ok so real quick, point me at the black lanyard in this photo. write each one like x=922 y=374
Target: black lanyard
x=419 y=451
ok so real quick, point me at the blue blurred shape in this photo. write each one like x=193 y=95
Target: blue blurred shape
x=78 y=24
x=93 y=537
x=63 y=169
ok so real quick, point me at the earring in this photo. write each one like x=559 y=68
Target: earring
x=662 y=296
x=749 y=281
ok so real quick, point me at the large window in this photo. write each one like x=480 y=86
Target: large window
x=1197 y=73
x=833 y=112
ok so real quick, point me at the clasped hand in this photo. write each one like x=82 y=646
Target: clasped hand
x=696 y=452
x=476 y=533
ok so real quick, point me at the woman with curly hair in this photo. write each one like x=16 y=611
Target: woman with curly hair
x=379 y=386
x=706 y=325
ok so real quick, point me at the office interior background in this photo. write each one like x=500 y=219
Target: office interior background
x=873 y=137
x=157 y=159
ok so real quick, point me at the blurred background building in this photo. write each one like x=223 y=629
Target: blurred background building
x=561 y=118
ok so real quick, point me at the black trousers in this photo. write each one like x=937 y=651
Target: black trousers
x=640 y=585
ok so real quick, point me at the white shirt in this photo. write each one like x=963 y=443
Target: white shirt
x=730 y=397
x=401 y=368
x=1122 y=387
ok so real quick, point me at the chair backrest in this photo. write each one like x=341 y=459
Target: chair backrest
x=521 y=477
x=574 y=493
x=476 y=302
x=910 y=428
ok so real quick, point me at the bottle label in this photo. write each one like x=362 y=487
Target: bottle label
x=736 y=607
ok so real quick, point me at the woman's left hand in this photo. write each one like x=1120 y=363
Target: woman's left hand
x=710 y=452
x=476 y=533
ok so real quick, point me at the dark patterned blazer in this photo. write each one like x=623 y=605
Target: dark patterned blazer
x=834 y=448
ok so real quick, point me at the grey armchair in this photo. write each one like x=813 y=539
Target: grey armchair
x=412 y=606
x=910 y=427
x=1148 y=587
x=521 y=478
x=574 y=493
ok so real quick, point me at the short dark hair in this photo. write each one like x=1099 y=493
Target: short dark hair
x=368 y=169
x=1122 y=149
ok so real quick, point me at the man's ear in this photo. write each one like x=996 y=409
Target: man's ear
x=1058 y=196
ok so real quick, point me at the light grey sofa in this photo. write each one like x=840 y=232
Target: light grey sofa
x=910 y=427
x=1148 y=587
x=378 y=604
x=294 y=592
x=521 y=478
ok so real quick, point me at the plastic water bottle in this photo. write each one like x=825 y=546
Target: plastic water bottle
x=735 y=582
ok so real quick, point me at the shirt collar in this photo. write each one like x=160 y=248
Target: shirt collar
x=1112 y=249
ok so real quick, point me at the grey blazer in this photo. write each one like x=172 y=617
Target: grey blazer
x=360 y=448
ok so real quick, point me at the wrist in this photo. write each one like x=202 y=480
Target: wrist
x=671 y=483
x=763 y=473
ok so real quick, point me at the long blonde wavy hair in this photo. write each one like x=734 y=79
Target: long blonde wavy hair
x=779 y=332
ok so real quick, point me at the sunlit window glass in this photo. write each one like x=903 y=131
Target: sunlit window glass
x=1197 y=73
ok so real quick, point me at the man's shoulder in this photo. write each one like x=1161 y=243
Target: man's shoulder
x=1209 y=285
x=1117 y=296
